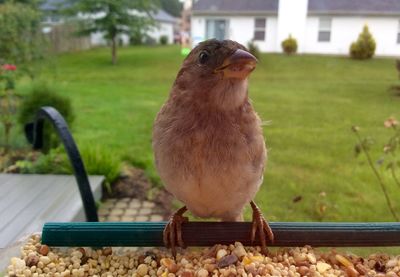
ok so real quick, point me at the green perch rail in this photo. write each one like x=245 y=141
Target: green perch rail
x=100 y=234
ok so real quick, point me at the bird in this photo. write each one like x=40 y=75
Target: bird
x=208 y=143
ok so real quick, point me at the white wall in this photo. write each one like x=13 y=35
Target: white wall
x=198 y=29
x=240 y=29
x=345 y=30
x=163 y=29
x=292 y=15
x=97 y=39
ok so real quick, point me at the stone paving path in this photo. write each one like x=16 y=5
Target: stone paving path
x=129 y=210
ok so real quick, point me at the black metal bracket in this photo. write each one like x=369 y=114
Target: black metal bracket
x=34 y=134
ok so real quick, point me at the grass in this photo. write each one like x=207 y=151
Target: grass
x=310 y=101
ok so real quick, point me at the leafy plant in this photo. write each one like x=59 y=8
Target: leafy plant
x=8 y=101
x=289 y=45
x=97 y=161
x=253 y=49
x=54 y=162
x=135 y=39
x=22 y=41
x=163 y=40
x=364 y=47
x=390 y=160
x=148 y=40
x=396 y=88
x=101 y=161
x=44 y=95
x=398 y=68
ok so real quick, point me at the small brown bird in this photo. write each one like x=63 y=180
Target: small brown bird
x=208 y=142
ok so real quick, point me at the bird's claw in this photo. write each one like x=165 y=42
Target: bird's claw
x=172 y=234
x=260 y=225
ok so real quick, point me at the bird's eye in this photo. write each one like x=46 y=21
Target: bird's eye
x=203 y=57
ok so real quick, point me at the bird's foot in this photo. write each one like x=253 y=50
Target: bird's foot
x=172 y=234
x=260 y=225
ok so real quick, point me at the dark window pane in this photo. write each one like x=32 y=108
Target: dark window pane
x=324 y=36
x=259 y=35
x=398 y=37
x=260 y=23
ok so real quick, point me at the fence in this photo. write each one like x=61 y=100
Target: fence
x=63 y=38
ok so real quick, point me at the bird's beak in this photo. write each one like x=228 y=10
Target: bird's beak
x=239 y=65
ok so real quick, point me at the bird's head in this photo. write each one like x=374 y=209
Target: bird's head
x=218 y=71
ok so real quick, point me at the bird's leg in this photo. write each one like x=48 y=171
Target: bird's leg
x=173 y=230
x=260 y=225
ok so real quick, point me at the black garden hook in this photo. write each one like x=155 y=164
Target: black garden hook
x=34 y=134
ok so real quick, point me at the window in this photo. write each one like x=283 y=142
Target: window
x=324 y=31
x=259 y=28
x=216 y=28
x=398 y=33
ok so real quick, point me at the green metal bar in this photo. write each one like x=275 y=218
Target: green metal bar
x=97 y=234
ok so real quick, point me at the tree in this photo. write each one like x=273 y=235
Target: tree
x=173 y=7
x=21 y=39
x=364 y=47
x=32 y=3
x=113 y=17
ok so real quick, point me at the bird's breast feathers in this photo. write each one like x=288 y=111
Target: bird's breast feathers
x=206 y=157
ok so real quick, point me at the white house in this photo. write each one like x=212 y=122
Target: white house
x=319 y=26
x=165 y=24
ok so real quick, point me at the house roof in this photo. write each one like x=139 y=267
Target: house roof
x=52 y=5
x=163 y=16
x=354 y=7
x=321 y=7
x=235 y=7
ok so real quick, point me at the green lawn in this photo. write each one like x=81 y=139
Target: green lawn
x=310 y=101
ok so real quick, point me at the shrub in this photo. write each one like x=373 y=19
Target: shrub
x=138 y=35
x=97 y=161
x=253 y=49
x=54 y=162
x=136 y=38
x=148 y=40
x=396 y=88
x=289 y=45
x=44 y=95
x=163 y=40
x=364 y=47
x=20 y=34
x=101 y=161
x=120 y=42
x=8 y=101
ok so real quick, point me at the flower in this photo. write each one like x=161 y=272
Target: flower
x=9 y=67
x=391 y=122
